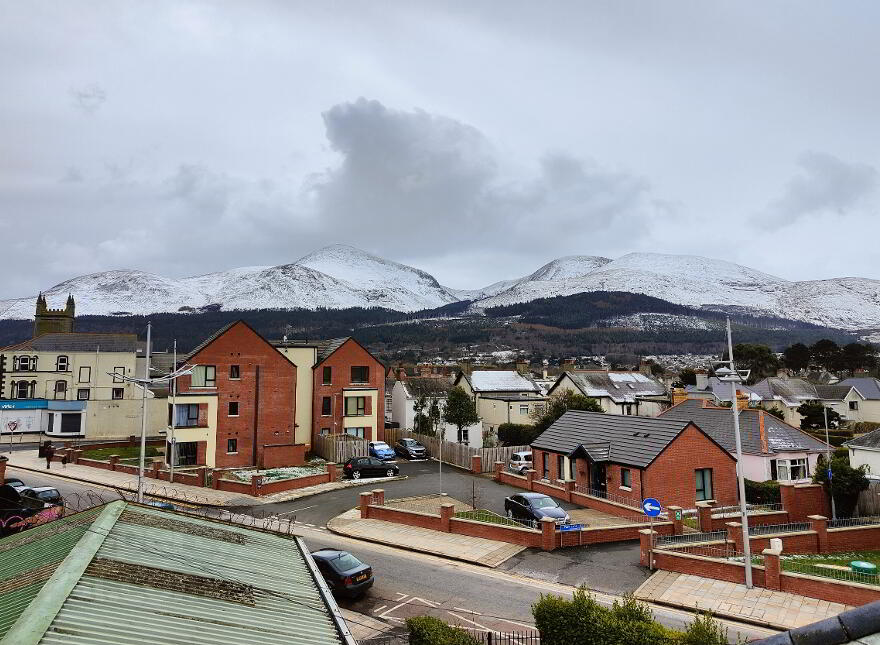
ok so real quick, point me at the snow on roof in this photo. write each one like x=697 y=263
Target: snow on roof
x=501 y=381
x=620 y=386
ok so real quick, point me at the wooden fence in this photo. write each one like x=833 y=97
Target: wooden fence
x=340 y=448
x=457 y=454
x=869 y=500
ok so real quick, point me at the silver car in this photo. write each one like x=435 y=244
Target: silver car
x=520 y=462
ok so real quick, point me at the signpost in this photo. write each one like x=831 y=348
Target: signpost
x=571 y=527
x=651 y=507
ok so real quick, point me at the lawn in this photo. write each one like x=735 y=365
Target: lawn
x=840 y=559
x=314 y=467
x=810 y=564
x=126 y=453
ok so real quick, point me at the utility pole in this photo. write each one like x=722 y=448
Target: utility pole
x=173 y=447
x=731 y=374
x=828 y=464
x=140 y=492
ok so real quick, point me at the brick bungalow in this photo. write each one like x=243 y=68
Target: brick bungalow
x=634 y=457
x=238 y=407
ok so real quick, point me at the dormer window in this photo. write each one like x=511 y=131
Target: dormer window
x=62 y=364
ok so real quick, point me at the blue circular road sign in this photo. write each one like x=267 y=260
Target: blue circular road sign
x=651 y=507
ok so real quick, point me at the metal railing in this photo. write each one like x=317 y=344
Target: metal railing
x=690 y=538
x=635 y=504
x=769 y=529
x=488 y=517
x=482 y=637
x=844 y=575
x=853 y=521
x=750 y=508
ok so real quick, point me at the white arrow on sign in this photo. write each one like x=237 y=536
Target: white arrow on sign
x=651 y=507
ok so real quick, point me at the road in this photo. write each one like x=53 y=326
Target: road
x=410 y=584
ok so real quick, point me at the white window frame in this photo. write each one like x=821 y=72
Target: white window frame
x=62 y=360
x=361 y=433
x=88 y=372
x=79 y=391
x=200 y=376
x=787 y=467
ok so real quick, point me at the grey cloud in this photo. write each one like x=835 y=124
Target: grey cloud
x=825 y=184
x=88 y=99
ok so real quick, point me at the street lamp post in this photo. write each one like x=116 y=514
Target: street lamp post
x=140 y=494
x=828 y=464
x=733 y=376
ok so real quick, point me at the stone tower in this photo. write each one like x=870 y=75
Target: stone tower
x=53 y=320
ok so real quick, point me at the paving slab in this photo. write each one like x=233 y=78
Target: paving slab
x=488 y=553
x=777 y=609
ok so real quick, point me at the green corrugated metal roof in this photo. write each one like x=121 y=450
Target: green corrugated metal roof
x=163 y=577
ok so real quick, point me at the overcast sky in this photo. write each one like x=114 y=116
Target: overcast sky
x=475 y=140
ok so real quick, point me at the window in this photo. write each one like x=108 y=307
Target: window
x=626 y=478
x=326 y=407
x=355 y=432
x=60 y=389
x=355 y=406
x=187 y=415
x=61 y=364
x=360 y=374
x=704 y=484
x=325 y=432
x=327 y=376
x=234 y=372
x=24 y=363
x=85 y=374
x=463 y=436
x=560 y=467
x=118 y=373
x=789 y=469
x=117 y=393
x=233 y=408
x=572 y=468
x=22 y=390
x=853 y=405
x=204 y=376
x=389 y=404
x=82 y=394
x=231 y=446
x=545 y=465
x=523 y=409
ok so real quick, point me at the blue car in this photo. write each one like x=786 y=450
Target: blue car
x=381 y=450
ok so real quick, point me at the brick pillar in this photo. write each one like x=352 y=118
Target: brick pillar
x=530 y=478
x=645 y=546
x=820 y=525
x=569 y=489
x=446 y=513
x=772 y=568
x=365 y=500
x=203 y=476
x=676 y=517
x=477 y=464
x=499 y=468
x=548 y=534
x=3 y=461
x=331 y=472
x=215 y=479
x=75 y=456
x=114 y=460
x=705 y=513
x=154 y=469
x=256 y=480
x=378 y=496
x=735 y=535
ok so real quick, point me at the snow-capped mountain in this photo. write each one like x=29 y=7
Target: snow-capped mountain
x=342 y=276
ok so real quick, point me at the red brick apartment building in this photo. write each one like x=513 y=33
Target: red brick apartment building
x=238 y=407
x=634 y=457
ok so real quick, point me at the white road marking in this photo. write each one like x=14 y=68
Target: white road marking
x=468 y=611
x=513 y=622
x=427 y=602
x=483 y=627
x=378 y=609
x=296 y=510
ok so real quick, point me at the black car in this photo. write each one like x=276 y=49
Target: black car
x=358 y=467
x=410 y=449
x=534 y=506
x=15 y=482
x=344 y=573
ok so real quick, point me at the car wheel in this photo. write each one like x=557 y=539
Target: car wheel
x=389 y=472
x=356 y=474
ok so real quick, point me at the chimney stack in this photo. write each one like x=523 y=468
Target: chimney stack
x=679 y=394
x=522 y=366
x=742 y=400
x=702 y=380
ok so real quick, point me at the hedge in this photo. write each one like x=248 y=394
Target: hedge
x=517 y=434
x=763 y=492
x=427 y=630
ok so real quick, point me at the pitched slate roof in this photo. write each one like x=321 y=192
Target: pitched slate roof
x=870 y=440
x=431 y=387
x=777 y=436
x=721 y=390
x=621 y=387
x=77 y=342
x=629 y=440
x=832 y=392
x=501 y=381
x=867 y=387
x=129 y=573
x=323 y=347
x=790 y=391
x=859 y=626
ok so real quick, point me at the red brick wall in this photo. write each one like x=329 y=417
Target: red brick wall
x=272 y=398
x=719 y=523
x=232 y=486
x=830 y=590
x=671 y=479
x=498 y=532
x=805 y=542
x=614 y=481
x=854 y=539
x=607 y=507
x=275 y=456
x=801 y=500
x=341 y=361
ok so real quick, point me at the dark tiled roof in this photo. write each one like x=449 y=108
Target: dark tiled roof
x=718 y=424
x=389 y=385
x=434 y=387
x=619 y=386
x=631 y=440
x=867 y=387
x=832 y=392
x=791 y=391
x=870 y=440
x=847 y=627
x=78 y=342
x=324 y=347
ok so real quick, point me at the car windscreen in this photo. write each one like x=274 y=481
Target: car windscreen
x=381 y=446
x=544 y=502
x=345 y=562
x=48 y=495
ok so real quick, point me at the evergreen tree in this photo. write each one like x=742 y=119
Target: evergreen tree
x=814 y=416
x=797 y=357
x=460 y=410
x=559 y=404
x=847 y=482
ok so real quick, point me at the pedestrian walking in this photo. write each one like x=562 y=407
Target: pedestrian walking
x=50 y=452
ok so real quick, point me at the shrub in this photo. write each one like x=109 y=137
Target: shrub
x=705 y=630
x=516 y=434
x=847 y=482
x=427 y=630
x=762 y=492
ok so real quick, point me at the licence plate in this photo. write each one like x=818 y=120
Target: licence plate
x=361 y=577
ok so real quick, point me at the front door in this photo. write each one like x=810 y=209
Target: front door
x=598 y=483
x=187 y=453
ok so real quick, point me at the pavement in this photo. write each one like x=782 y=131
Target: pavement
x=776 y=609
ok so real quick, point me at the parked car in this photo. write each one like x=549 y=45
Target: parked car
x=344 y=573
x=520 y=462
x=534 y=506
x=410 y=448
x=41 y=496
x=381 y=450
x=15 y=482
x=358 y=467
